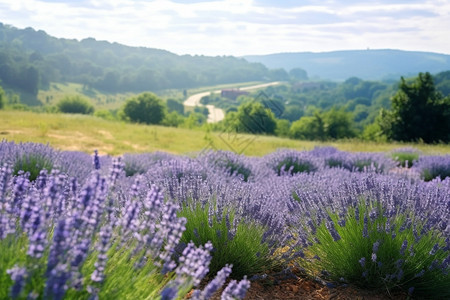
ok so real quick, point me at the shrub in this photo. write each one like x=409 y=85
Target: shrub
x=146 y=108
x=29 y=158
x=238 y=244
x=59 y=241
x=405 y=156
x=360 y=162
x=227 y=162
x=32 y=164
x=290 y=162
x=75 y=105
x=371 y=250
x=135 y=164
x=430 y=167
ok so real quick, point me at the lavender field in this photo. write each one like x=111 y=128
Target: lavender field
x=157 y=225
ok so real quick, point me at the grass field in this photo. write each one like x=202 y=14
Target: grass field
x=100 y=100
x=57 y=91
x=86 y=133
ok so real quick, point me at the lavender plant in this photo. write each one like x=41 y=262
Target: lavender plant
x=360 y=162
x=64 y=242
x=405 y=157
x=227 y=162
x=78 y=229
x=240 y=244
x=290 y=162
x=431 y=167
x=135 y=164
x=378 y=232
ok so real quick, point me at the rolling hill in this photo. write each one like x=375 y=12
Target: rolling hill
x=31 y=59
x=365 y=64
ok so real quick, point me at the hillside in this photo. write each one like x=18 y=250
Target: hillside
x=365 y=64
x=115 y=138
x=30 y=60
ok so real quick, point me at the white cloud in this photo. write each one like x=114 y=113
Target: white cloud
x=236 y=27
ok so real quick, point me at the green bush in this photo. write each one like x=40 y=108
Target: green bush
x=75 y=105
x=379 y=255
x=105 y=114
x=244 y=249
x=33 y=164
x=146 y=108
x=405 y=157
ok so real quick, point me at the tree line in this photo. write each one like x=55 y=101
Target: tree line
x=417 y=111
x=30 y=60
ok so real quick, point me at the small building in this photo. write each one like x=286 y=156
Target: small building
x=232 y=93
x=306 y=86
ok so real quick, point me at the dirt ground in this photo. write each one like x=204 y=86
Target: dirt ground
x=298 y=286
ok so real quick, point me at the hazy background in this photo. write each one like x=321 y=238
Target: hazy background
x=242 y=27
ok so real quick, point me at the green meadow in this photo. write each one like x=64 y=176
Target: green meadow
x=86 y=133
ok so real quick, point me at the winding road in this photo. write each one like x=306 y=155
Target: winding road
x=217 y=114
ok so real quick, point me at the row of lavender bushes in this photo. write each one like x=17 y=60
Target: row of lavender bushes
x=165 y=223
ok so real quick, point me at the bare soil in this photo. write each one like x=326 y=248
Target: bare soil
x=299 y=286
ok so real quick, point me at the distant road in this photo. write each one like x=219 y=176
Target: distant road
x=217 y=114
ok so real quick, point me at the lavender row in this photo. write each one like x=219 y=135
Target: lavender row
x=297 y=200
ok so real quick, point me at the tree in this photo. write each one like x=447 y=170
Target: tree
x=292 y=113
x=146 y=108
x=75 y=105
x=418 y=112
x=308 y=128
x=255 y=118
x=174 y=105
x=338 y=124
x=173 y=119
x=332 y=124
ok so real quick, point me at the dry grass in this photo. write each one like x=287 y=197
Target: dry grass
x=86 y=133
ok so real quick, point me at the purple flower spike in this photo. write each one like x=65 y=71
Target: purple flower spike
x=362 y=262
x=375 y=246
x=236 y=290
x=96 y=160
x=214 y=285
x=404 y=246
x=169 y=293
x=18 y=275
x=374 y=257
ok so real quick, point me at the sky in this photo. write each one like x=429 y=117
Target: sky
x=242 y=27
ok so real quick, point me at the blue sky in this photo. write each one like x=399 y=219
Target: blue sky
x=242 y=27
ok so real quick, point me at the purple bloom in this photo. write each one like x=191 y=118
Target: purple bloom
x=195 y=261
x=420 y=274
x=56 y=284
x=236 y=290
x=169 y=293
x=375 y=246
x=434 y=249
x=96 y=160
x=403 y=248
x=374 y=257
x=18 y=275
x=214 y=285
x=362 y=262
x=59 y=245
x=333 y=231
x=430 y=167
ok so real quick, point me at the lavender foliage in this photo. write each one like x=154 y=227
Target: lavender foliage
x=78 y=213
x=431 y=167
